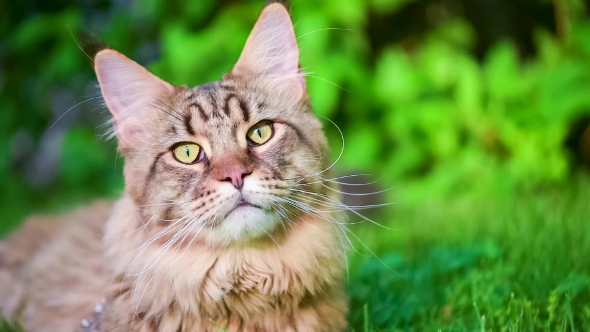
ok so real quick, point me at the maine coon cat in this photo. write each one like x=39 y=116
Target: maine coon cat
x=226 y=222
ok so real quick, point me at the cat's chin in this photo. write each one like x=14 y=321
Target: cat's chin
x=244 y=223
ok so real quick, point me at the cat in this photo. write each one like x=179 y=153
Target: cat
x=227 y=221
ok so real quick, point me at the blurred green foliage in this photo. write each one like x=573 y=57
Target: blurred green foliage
x=455 y=135
x=459 y=125
x=433 y=121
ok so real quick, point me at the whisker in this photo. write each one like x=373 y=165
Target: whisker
x=286 y=211
x=344 y=253
x=338 y=178
x=146 y=244
x=357 y=194
x=166 y=204
x=343 y=205
x=308 y=209
x=123 y=261
x=187 y=227
x=373 y=254
x=341 y=150
x=71 y=108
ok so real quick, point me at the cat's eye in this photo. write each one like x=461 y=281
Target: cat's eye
x=260 y=133
x=187 y=153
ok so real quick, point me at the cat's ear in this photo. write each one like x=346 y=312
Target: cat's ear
x=271 y=49
x=128 y=90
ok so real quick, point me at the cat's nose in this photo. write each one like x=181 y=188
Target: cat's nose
x=235 y=175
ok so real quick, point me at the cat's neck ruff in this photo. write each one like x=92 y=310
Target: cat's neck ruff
x=247 y=280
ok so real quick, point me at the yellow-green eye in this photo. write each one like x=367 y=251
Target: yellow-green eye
x=260 y=133
x=187 y=153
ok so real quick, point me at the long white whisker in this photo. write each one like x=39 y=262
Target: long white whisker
x=308 y=209
x=344 y=250
x=337 y=178
x=357 y=194
x=372 y=253
x=337 y=207
x=341 y=150
x=71 y=108
x=343 y=205
x=146 y=244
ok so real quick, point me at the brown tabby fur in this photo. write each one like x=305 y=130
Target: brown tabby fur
x=172 y=254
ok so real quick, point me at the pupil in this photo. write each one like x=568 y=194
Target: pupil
x=259 y=132
x=187 y=150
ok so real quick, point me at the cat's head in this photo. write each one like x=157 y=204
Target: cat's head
x=231 y=159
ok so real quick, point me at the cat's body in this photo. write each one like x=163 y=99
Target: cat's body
x=52 y=269
x=227 y=222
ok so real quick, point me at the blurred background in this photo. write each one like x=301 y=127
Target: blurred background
x=472 y=115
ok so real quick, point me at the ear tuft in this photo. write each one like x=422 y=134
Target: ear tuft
x=90 y=44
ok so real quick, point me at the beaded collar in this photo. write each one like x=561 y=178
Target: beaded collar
x=93 y=324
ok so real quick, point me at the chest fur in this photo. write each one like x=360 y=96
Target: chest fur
x=265 y=295
x=245 y=283
x=202 y=286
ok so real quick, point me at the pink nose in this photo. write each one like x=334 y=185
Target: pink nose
x=235 y=175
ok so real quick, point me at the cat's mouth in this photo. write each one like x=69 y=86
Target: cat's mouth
x=242 y=204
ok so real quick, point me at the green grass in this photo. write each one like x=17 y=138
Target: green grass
x=514 y=263
x=9 y=327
